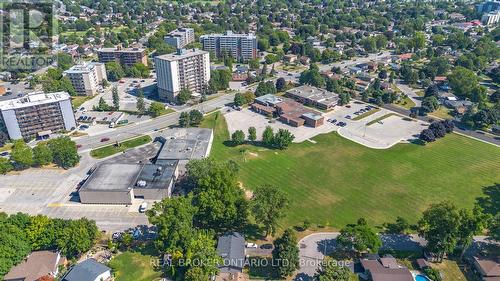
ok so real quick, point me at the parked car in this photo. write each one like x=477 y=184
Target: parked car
x=143 y=207
x=334 y=121
x=252 y=245
x=348 y=117
x=104 y=139
x=117 y=235
x=137 y=233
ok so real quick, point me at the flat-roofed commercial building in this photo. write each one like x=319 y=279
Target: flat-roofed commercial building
x=180 y=37
x=185 y=69
x=287 y=110
x=87 y=77
x=125 y=56
x=116 y=183
x=185 y=144
x=121 y=183
x=242 y=47
x=37 y=113
x=313 y=96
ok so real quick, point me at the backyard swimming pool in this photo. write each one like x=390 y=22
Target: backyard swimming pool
x=421 y=278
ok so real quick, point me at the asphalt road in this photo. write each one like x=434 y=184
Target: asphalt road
x=485 y=137
x=148 y=126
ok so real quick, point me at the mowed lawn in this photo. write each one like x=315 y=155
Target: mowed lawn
x=334 y=181
x=112 y=149
x=134 y=266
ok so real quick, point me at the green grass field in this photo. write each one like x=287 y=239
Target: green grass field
x=77 y=101
x=334 y=181
x=442 y=112
x=134 y=266
x=111 y=149
x=406 y=103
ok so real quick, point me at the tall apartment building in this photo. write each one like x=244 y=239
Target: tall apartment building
x=180 y=37
x=491 y=18
x=124 y=56
x=37 y=113
x=242 y=47
x=488 y=6
x=87 y=77
x=185 y=69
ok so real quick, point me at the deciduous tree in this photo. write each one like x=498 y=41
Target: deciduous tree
x=269 y=205
x=286 y=254
x=359 y=238
x=21 y=154
x=331 y=271
x=238 y=137
x=439 y=225
x=252 y=134
x=268 y=136
x=64 y=152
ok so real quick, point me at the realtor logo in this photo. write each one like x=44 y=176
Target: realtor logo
x=27 y=28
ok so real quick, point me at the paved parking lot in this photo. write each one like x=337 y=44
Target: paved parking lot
x=379 y=135
x=54 y=193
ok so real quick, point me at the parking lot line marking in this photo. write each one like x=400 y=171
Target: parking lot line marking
x=54 y=205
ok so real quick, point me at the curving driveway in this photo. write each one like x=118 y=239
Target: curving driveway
x=312 y=249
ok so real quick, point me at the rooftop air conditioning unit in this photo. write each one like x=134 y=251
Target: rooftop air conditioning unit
x=141 y=183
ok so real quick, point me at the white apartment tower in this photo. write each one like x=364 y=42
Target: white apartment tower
x=180 y=37
x=491 y=18
x=86 y=78
x=185 y=69
x=242 y=47
x=37 y=114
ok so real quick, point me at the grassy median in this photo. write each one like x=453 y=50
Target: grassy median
x=366 y=114
x=111 y=149
x=335 y=181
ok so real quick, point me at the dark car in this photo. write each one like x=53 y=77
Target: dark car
x=104 y=139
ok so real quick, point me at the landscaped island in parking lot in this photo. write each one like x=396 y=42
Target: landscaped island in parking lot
x=334 y=181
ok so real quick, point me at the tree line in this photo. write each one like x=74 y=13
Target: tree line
x=280 y=140
x=21 y=234
x=61 y=151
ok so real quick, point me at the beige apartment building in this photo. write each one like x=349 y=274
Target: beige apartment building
x=185 y=69
x=87 y=78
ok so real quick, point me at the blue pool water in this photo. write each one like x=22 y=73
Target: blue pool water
x=421 y=278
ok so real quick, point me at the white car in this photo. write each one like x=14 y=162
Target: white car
x=143 y=207
x=252 y=245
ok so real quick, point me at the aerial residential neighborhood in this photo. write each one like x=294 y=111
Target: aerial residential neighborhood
x=228 y=140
